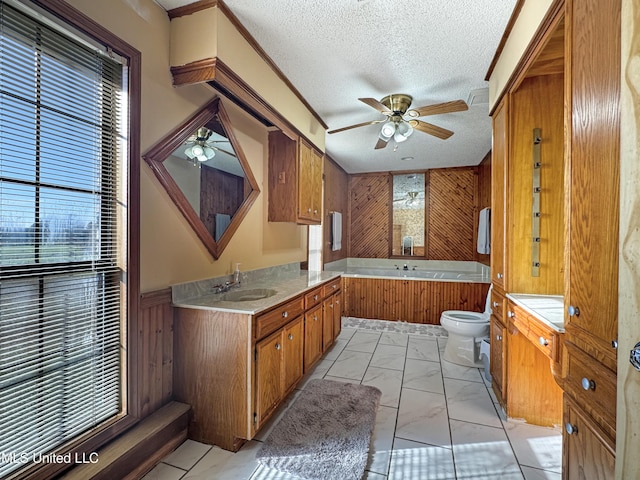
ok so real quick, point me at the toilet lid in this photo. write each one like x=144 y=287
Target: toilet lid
x=463 y=316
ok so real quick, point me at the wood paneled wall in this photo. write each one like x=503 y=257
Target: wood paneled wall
x=417 y=301
x=537 y=103
x=336 y=199
x=483 y=197
x=369 y=215
x=452 y=212
x=454 y=198
x=155 y=351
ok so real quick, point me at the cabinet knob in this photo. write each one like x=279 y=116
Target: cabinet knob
x=290 y=337
x=309 y=210
x=510 y=314
x=495 y=304
x=499 y=275
x=278 y=346
x=571 y=429
x=285 y=314
x=614 y=344
x=543 y=341
x=315 y=212
x=499 y=338
x=315 y=318
x=315 y=297
x=588 y=384
x=573 y=311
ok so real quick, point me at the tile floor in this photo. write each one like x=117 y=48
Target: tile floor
x=436 y=420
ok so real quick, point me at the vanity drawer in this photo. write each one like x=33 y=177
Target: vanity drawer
x=592 y=386
x=313 y=298
x=270 y=321
x=331 y=287
x=544 y=338
x=498 y=304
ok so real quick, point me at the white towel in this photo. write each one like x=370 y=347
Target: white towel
x=336 y=231
x=484 y=231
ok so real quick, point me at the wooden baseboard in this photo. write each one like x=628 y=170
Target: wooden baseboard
x=137 y=451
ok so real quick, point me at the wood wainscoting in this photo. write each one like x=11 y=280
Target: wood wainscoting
x=417 y=301
x=155 y=351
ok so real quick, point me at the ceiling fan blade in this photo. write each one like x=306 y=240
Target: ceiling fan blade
x=446 y=107
x=364 y=124
x=382 y=143
x=431 y=129
x=372 y=102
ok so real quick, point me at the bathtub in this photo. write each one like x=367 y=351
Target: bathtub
x=382 y=289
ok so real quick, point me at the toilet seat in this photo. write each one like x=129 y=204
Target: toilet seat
x=464 y=316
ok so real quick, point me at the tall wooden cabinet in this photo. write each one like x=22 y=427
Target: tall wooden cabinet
x=581 y=45
x=591 y=265
x=295 y=180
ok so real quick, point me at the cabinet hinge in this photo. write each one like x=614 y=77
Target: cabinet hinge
x=255 y=417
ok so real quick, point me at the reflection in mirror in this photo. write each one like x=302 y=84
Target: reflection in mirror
x=206 y=174
x=408 y=237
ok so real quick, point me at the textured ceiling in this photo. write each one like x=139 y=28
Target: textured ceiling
x=336 y=51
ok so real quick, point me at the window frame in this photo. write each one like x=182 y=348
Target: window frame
x=94 y=439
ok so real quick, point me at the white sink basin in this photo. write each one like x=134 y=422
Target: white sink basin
x=249 y=295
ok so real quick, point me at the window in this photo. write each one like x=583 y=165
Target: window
x=63 y=236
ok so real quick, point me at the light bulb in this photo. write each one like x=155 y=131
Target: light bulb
x=388 y=129
x=189 y=153
x=197 y=150
x=209 y=153
x=403 y=132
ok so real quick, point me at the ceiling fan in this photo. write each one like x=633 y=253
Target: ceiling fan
x=200 y=146
x=410 y=199
x=401 y=121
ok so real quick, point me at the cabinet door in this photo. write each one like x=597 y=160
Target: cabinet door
x=328 y=309
x=312 y=336
x=587 y=452
x=499 y=157
x=292 y=345
x=497 y=365
x=305 y=181
x=268 y=374
x=337 y=315
x=316 y=171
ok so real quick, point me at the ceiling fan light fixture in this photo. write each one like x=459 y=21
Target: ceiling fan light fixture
x=403 y=131
x=209 y=153
x=388 y=130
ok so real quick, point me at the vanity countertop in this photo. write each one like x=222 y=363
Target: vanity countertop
x=549 y=309
x=287 y=287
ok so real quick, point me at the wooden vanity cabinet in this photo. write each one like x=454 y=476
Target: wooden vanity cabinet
x=295 y=180
x=331 y=313
x=532 y=391
x=235 y=369
x=588 y=452
x=497 y=336
x=312 y=336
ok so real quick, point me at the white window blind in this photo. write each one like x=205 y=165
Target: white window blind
x=62 y=294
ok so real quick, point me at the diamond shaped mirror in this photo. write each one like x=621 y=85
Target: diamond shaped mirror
x=203 y=169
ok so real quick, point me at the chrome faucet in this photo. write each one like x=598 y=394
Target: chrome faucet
x=222 y=288
x=405 y=267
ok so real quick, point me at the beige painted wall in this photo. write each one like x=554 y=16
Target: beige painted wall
x=170 y=252
x=531 y=15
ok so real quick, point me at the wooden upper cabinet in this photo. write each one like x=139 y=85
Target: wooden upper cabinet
x=498 y=191
x=594 y=176
x=295 y=180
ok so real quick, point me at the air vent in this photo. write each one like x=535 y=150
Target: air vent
x=478 y=96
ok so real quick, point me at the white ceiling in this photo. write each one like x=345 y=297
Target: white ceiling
x=336 y=51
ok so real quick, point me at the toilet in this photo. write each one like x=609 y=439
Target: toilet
x=466 y=331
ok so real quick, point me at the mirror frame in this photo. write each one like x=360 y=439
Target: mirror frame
x=157 y=154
